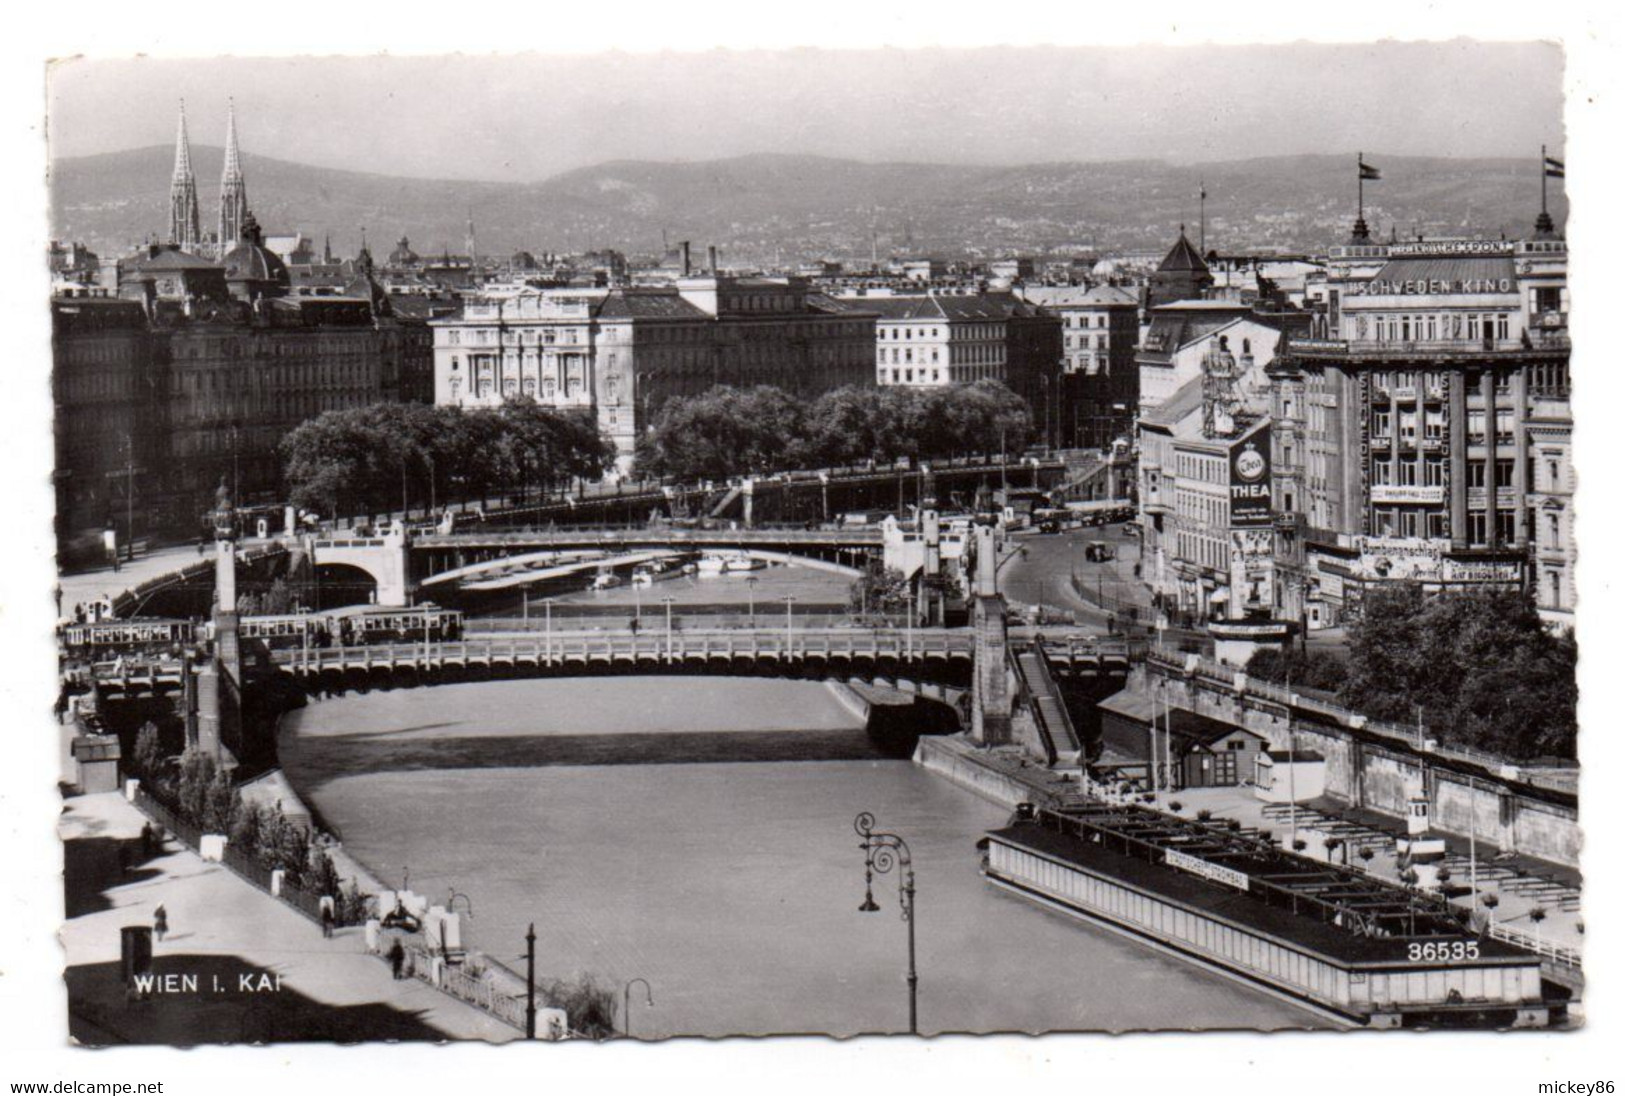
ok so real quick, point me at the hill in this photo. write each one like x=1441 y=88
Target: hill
x=756 y=207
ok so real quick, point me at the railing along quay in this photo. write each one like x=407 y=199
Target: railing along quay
x=1396 y=732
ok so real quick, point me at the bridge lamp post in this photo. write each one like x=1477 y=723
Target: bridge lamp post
x=750 y=593
x=881 y=853
x=547 y=605
x=626 y=1003
x=668 y=599
x=789 y=624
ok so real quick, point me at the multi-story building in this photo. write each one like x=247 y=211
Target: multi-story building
x=1426 y=435
x=621 y=352
x=195 y=373
x=1205 y=529
x=1100 y=330
x=937 y=341
x=109 y=421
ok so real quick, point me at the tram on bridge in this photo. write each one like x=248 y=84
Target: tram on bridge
x=354 y=626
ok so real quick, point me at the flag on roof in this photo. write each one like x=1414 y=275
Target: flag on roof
x=1369 y=172
x=1554 y=169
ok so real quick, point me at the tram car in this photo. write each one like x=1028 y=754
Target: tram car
x=354 y=627
x=101 y=639
x=414 y=625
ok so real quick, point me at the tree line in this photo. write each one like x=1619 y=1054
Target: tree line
x=204 y=794
x=761 y=430
x=391 y=456
x=1480 y=668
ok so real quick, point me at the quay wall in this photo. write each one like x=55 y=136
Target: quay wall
x=1384 y=774
x=963 y=764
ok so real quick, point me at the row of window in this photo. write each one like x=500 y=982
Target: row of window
x=1407 y=327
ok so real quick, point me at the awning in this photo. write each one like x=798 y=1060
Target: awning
x=1220 y=596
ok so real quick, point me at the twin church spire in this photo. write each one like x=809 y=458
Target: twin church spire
x=184 y=223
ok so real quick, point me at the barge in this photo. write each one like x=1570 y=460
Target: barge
x=1359 y=950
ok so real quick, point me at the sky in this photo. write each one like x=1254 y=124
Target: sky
x=522 y=117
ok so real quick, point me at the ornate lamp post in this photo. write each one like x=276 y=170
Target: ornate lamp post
x=881 y=853
x=626 y=1003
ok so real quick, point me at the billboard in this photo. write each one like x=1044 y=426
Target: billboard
x=1250 y=480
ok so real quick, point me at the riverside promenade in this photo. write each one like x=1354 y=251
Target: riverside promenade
x=236 y=966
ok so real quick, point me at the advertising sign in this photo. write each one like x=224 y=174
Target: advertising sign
x=1250 y=480
x=1407 y=493
x=1230 y=877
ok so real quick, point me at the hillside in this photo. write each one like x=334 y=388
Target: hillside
x=755 y=207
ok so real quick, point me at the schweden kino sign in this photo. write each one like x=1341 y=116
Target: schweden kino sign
x=1250 y=480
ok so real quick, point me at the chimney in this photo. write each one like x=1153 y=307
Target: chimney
x=711 y=259
x=683 y=247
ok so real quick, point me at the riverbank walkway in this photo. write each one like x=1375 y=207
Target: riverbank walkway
x=264 y=972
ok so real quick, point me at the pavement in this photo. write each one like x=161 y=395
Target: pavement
x=95 y=583
x=265 y=971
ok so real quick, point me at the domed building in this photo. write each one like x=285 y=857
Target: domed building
x=403 y=255
x=253 y=270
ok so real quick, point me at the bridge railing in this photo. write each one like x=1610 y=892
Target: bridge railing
x=655 y=645
x=843 y=535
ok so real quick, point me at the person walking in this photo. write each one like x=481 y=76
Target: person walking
x=397 y=959
x=327 y=916
x=160 y=922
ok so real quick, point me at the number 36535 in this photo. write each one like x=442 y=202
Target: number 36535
x=1442 y=950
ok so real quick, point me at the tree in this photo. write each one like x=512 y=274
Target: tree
x=1303 y=669
x=1481 y=665
x=879 y=589
x=589 y=1007
x=148 y=759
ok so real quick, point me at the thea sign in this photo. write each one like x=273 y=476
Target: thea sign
x=1250 y=481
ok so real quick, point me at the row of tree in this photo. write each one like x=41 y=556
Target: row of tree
x=392 y=456
x=203 y=794
x=1479 y=669
x=732 y=431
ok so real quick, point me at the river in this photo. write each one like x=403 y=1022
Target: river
x=731 y=886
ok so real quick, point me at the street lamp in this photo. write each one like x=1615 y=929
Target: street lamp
x=668 y=600
x=750 y=593
x=881 y=853
x=789 y=624
x=626 y=1003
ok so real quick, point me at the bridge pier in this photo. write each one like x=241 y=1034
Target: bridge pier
x=990 y=694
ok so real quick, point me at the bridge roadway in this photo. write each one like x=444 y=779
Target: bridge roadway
x=793 y=652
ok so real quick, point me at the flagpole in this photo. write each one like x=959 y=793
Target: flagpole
x=1359 y=171
x=1543 y=178
x=1203 y=204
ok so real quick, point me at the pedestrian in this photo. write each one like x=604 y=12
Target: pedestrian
x=160 y=922
x=633 y=626
x=397 y=958
x=327 y=916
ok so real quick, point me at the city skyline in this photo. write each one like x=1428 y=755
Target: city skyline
x=387 y=115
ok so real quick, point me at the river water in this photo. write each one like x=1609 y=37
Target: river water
x=731 y=886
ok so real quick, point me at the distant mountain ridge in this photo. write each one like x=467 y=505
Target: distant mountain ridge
x=759 y=207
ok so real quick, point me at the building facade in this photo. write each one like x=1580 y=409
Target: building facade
x=1427 y=434
x=944 y=340
x=1100 y=332
x=620 y=353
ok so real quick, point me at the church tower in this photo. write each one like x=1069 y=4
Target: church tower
x=183 y=218
x=233 y=195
